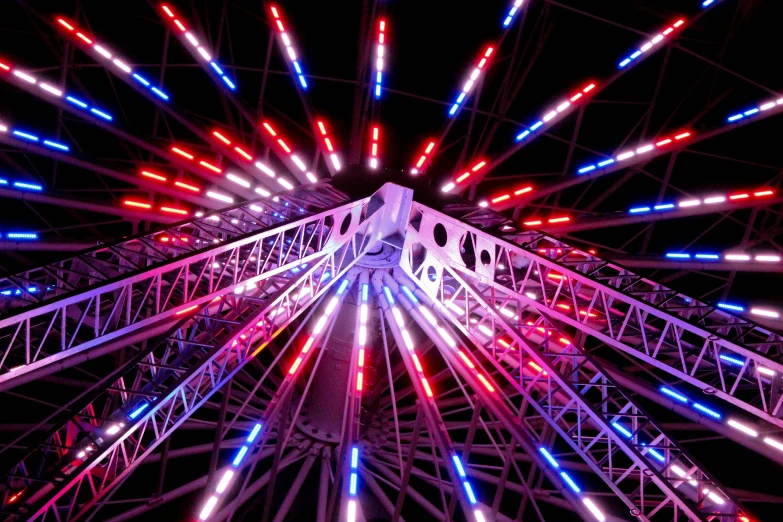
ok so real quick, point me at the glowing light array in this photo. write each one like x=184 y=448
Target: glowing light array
x=329 y=146
x=472 y=368
x=416 y=304
x=685 y=400
x=24 y=135
x=54 y=91
x=375 y=134
x=201 y=50
x=20 y=235
x=424 y=157
x=112 y=59
x=471 y=81
x=291 y=53
x=379 y=59
x=20 y=185
x=712 y=200
x=641 y=151
x=755 y=110
x=761 y=312
x=189 y=156
x=225 y=480
x=652 y=43
x=596 y=512
x=181 y=185
x=533 y=131
x=577 y=97
x=247 y=157
x=353 y=484
x=548 y=119
x=475 y=168
x=512 y=12
x=363 y=313
x=283 y=145
x=735 y=257
x=533 y=222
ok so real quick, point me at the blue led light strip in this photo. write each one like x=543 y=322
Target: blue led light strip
x=24 y=135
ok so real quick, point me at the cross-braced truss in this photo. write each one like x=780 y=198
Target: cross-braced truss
x=342 y=350
x=401 y=359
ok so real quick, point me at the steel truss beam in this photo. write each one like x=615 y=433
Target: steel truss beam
x=201 y=354
x=502 y=409
x=680 y=335
x=432 y=415
x=591 y=396
x=474 y=283
x=111 y=293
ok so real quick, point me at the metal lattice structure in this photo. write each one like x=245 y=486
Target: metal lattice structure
x=245 y=331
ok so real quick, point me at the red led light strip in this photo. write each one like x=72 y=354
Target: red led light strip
x=291 y=154
x=375 y=134
x=191 y=157
x=424 y=157
x=327 y=141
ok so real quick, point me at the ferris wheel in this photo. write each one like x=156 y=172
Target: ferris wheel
x=220 y=304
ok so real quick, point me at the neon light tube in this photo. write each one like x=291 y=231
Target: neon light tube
x=55 y=145
x=380 y=58
x=706 y=410
x=471 y=82
x=515 y=7
x=549 y=457
x=290 y=52
x=138 y=410
x=221 y=487
x=775 y=444
x=765 y=313
x=570 y=482
x=594 y=510
x=622 y=430
x=240 y=455
x=458 y=466
x=220 y=197
x=208 y=507
x=254 y=433
x=651 y=43
x=732 y=360
x=743 y=428
x=673 y=394
x=21 y=235
x=27 y=186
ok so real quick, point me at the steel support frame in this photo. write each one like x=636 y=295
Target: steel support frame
x=123 y=295
x=580 y=379
x=499 y=404
x=169 y=406
x=679 y=335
